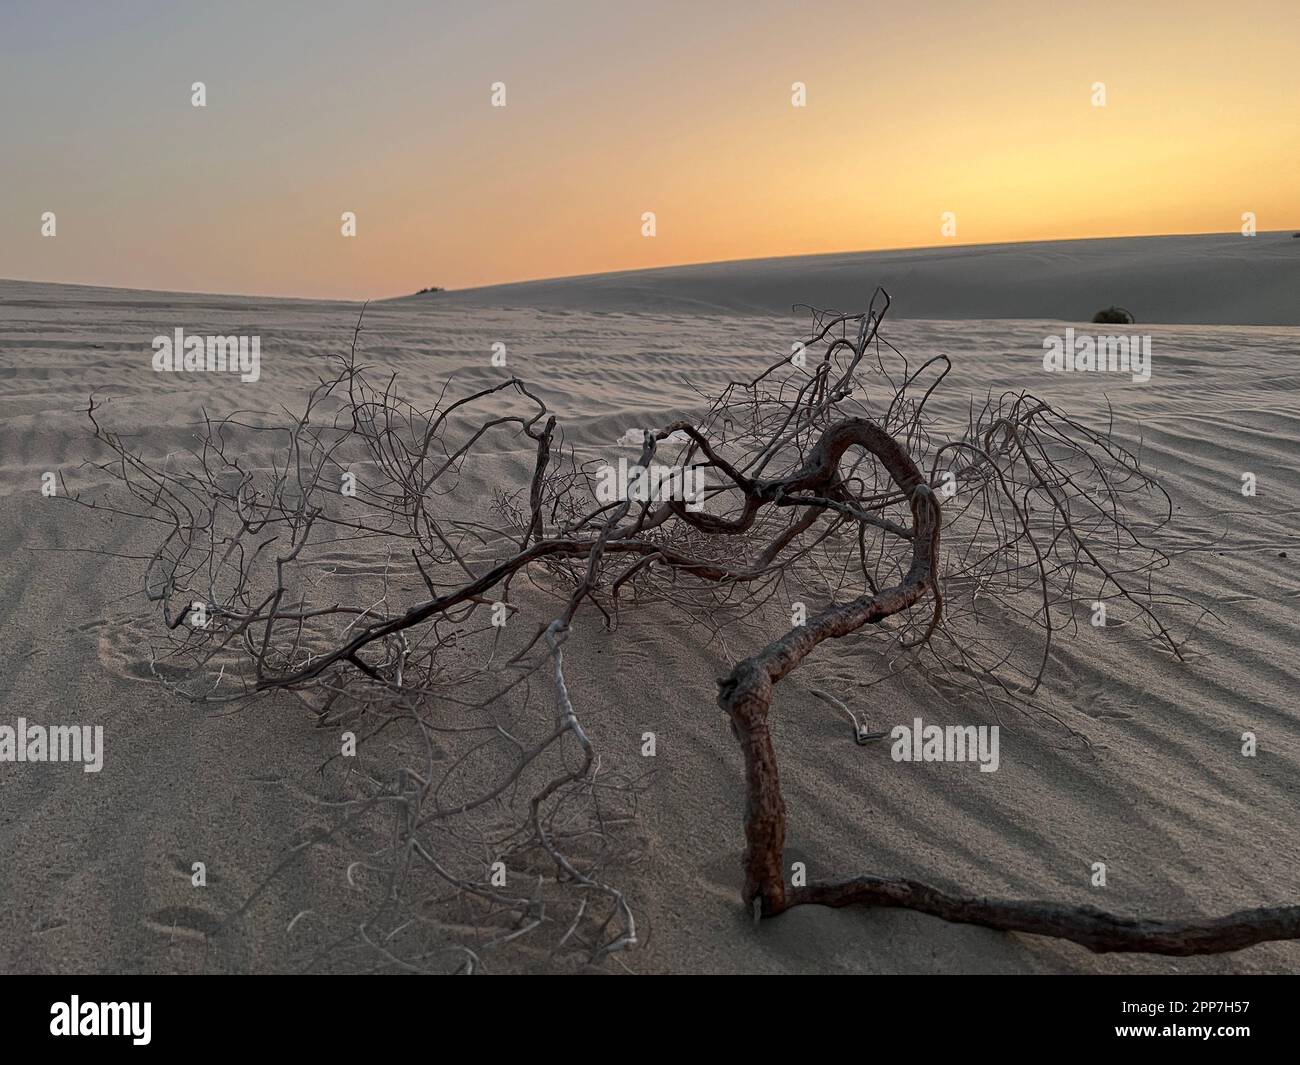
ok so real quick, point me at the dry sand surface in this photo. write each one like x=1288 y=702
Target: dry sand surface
x=95 y=868
x=1213 y=279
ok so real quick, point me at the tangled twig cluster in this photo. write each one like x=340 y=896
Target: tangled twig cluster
x=826 y=479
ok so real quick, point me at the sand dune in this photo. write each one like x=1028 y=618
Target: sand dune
x=95 y=875
x=1215 y=279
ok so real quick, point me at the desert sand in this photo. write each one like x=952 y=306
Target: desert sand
x=95 y=873
x=1213 y=279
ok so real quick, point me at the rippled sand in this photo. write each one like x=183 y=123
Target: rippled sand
x=96 y=867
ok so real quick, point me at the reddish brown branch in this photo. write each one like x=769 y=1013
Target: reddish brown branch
x=1088 y=926
x=746 y=696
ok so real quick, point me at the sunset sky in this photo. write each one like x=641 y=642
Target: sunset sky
x=613 y=109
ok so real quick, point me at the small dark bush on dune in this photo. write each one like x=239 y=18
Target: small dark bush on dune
x=1113 y=316
x=433 y=288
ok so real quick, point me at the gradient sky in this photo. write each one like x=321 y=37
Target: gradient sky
x=614 y=108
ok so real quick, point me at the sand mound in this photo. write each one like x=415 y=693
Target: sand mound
x=1214 y=279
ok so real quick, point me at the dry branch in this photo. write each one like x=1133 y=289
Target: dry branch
x=827 y=481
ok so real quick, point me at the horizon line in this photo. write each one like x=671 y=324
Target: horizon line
x=654 y=269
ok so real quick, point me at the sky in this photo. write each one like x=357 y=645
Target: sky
x=983 y=115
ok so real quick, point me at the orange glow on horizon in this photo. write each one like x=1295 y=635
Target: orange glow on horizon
x=682 y=111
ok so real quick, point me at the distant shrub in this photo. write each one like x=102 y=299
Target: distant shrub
x=433 y=288
x=1113 y=316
